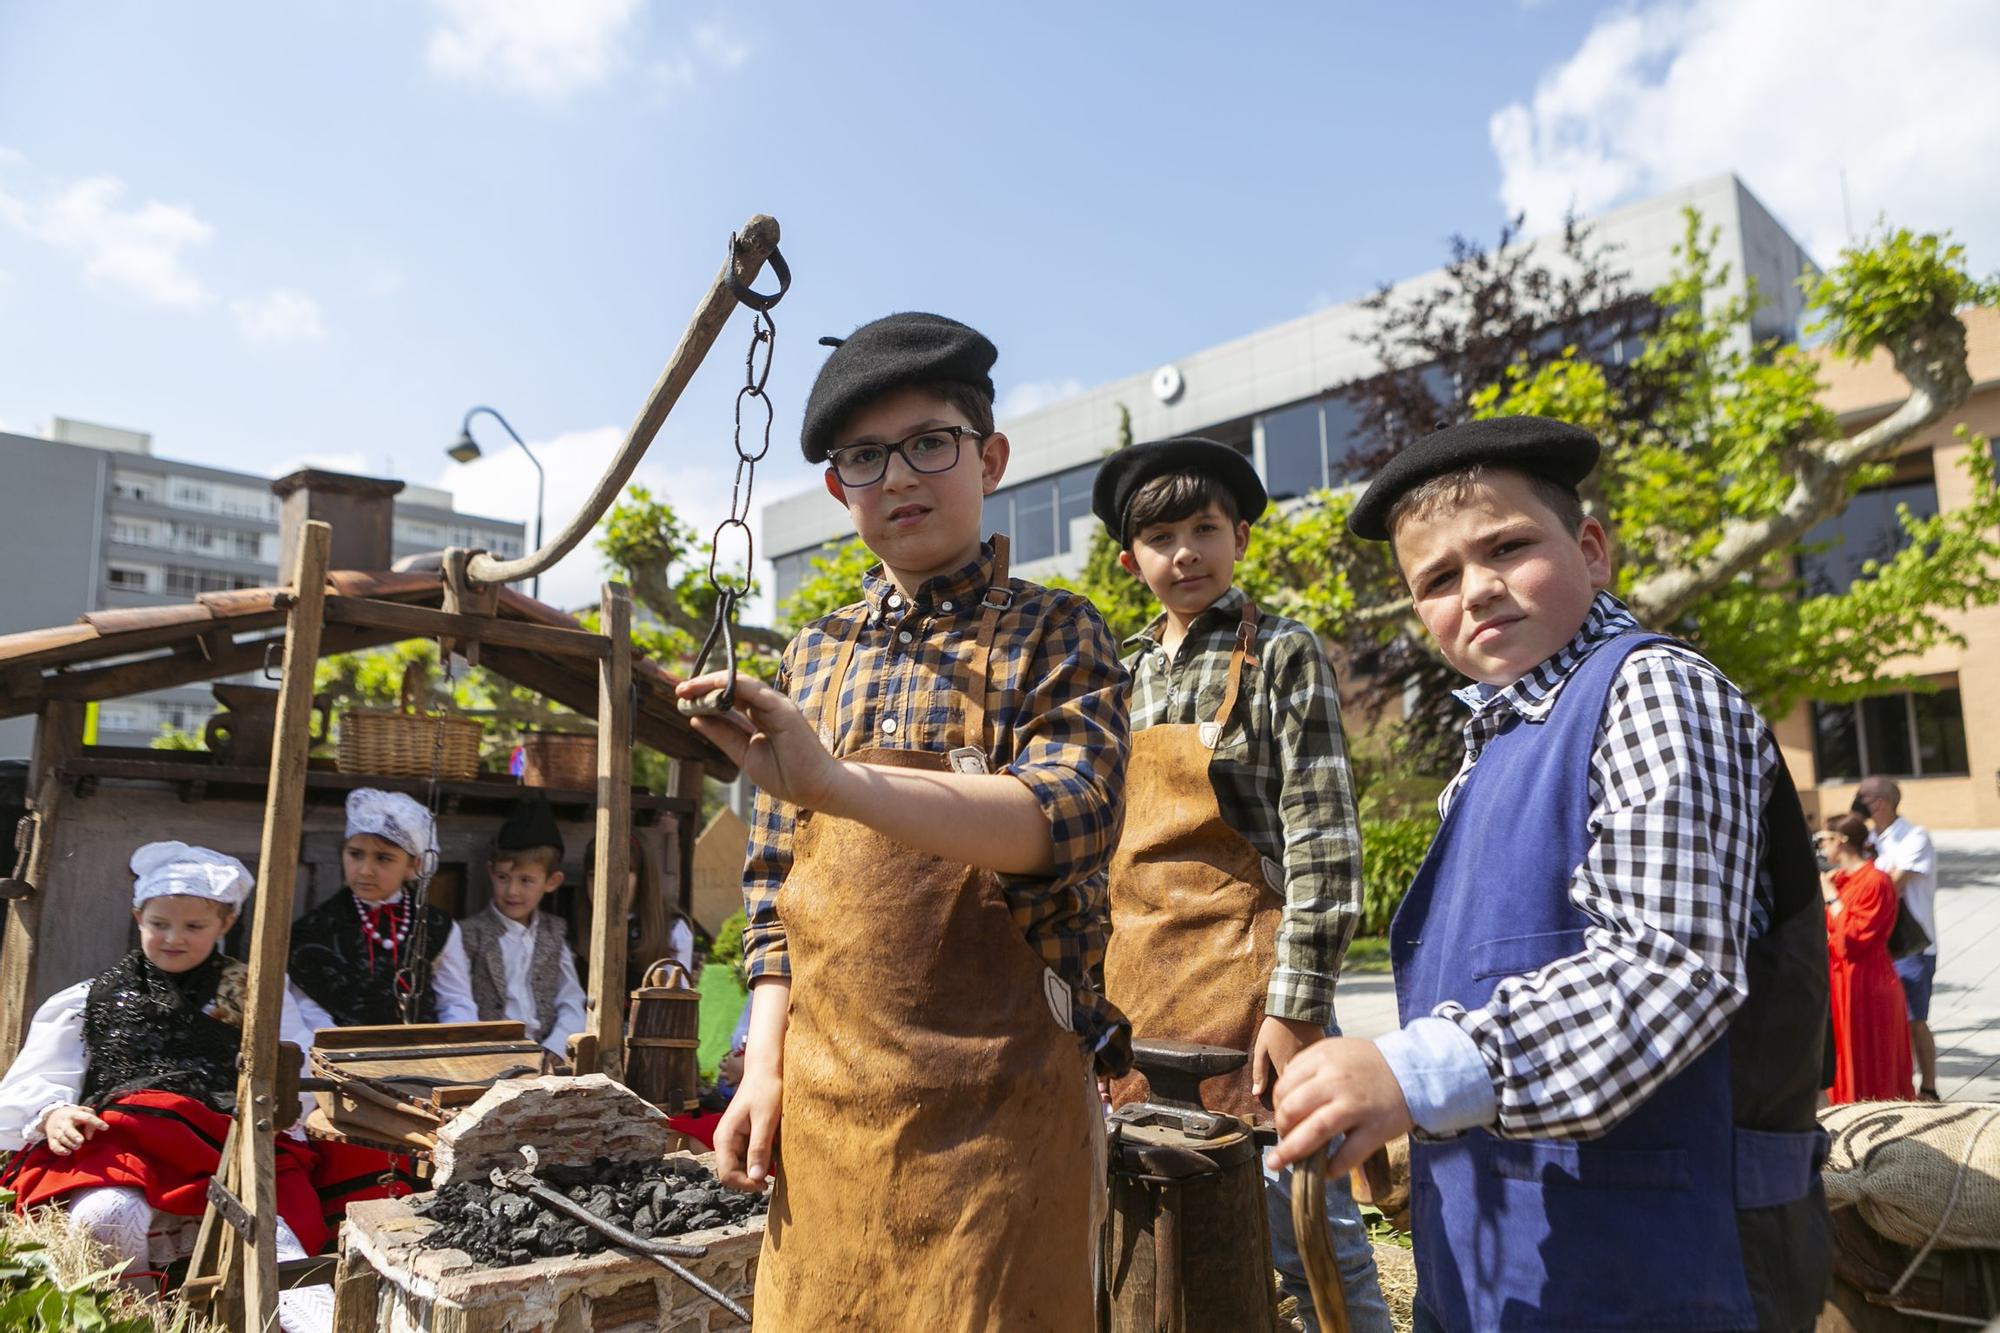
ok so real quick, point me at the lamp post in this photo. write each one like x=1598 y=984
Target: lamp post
x=465 y=449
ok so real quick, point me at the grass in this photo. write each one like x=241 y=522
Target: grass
x=1368 y=953
x=78 y=1263
x=722 y=999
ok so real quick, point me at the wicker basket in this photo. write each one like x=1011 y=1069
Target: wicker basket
x=663 y=1039
x=404 y=743
x=558 y=759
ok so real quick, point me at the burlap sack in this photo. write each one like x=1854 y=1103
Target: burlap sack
x=1918 y=1170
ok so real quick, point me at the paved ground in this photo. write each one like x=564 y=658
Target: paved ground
x=1965 y=1011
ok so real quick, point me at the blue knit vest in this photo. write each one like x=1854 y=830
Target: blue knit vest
x=1636 y=1229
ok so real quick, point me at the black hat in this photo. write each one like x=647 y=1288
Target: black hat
x=890 y=353
x=1546 y=447
x=1130 y=468
x=531 y=824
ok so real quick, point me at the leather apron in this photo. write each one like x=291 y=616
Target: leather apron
x=1194 y=924
x=941 y=1142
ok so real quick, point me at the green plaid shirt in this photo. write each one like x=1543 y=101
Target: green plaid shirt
x=1281 y=779
x=1056 y=713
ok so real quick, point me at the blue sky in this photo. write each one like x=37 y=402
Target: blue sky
x=320 y=231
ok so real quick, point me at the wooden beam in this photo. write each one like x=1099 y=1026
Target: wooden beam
x=423 y=622
x=58 y=738
x=179 y=668
x=271 y=931
x=614 y=836
x=665 y=732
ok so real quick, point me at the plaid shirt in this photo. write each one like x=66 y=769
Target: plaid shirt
x=1056 y=715
x=1672 y=886
x=1280 y=776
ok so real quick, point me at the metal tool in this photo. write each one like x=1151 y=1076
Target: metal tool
x=661 y=1252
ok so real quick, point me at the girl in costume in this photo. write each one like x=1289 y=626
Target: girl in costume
x=120 y=1099
x=378 y=953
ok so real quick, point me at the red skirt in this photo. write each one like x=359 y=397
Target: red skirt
x=349 y=1173
x=168 y=1146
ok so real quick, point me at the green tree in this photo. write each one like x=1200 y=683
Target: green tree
x=1720 y=457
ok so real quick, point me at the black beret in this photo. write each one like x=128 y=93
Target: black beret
x=892 y=352
x=531 y=823
x=1130 y=468
x=1540 y=445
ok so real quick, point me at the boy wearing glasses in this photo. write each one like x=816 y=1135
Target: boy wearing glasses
x=938 y=775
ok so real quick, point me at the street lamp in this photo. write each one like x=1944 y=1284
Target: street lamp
x=465 y=449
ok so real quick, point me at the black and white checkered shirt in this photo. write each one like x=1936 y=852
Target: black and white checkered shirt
x=1672 y=887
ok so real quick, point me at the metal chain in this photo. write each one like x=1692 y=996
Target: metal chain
x=418 y=939
x=731 y=583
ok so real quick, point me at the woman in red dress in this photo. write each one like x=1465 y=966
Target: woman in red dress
x=1871 y=1034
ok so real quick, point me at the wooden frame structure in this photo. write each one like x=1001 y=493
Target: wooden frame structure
x=317 y=612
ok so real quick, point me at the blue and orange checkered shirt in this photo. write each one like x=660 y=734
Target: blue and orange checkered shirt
x=1057 y=722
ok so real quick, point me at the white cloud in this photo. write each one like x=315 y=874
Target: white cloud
x=545 y=49
x=711 y=48
x=501 y=484
x=279 y=317
x=1033 y=396
x=139 y=249
x=1786 y=93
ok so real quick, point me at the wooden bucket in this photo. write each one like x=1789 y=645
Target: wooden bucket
x=663 y=1037
x=403 y=743
x=562 y=760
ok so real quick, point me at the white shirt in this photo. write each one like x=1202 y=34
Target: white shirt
x=517 y=958
x=48 y=1073
x=451 y=983
x=680 y=943
x=1907 y=847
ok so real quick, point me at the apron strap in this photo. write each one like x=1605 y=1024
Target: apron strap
x=829 y=698
x=998 y=597
x=1246 y=639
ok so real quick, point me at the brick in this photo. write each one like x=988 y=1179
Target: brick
x=571 y=1122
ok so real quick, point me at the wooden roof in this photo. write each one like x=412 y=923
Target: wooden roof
x=108 y=654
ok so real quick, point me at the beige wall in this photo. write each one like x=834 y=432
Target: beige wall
x=1860 y=393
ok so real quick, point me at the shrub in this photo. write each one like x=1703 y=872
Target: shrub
x=1391 y=852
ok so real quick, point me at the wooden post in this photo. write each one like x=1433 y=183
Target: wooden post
x=271 y=935
x=614 y=835
x=58 y=736
x=689 y=778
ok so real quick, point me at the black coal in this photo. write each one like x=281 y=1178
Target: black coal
x=653 y=1200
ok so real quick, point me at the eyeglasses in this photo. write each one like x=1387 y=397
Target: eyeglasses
x=933 y=449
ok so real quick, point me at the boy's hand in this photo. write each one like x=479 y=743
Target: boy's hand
x=767 y=737
x=69 y=1128
x=748 y=1130
x=1341 y=1085
x=1279 y=1040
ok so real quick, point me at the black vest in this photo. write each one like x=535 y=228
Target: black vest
x=350 y=976
x=149 y=1030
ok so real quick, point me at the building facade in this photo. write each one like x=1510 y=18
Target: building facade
x=93 y=520
x=1276 y=394
x=1940 y=743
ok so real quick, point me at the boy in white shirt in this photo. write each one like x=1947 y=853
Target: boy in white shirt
x=522 y=967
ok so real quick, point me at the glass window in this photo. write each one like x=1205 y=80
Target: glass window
x=1912 y=735
x=1344 y=441
x=1034 y=522
x=1292 y=460
x=1836 y=743
x=1940 y=726
x=1885 y=734
x=1072 y=501
x=998 y=515
x=1866 y=530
